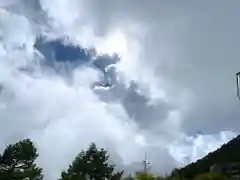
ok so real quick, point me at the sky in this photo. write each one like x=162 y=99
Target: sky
x=133 y=76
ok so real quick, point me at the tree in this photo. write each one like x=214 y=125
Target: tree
x=176 y=174
x=163 y=178
x=117 y=175
x=210 y=176
x=91 y=164
x=227 y=153
x=144 y=176
x=18 y=162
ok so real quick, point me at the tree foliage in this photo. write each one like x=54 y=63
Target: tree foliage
x=144 y=176
x=210 y=176
x=91 y=164
x=226 y=153
x=18 y=162
x=176 y=174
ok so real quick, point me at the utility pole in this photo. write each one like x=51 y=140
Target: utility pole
x=238 y=84
x=145 y=164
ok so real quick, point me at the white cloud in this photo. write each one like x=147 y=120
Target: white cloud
x=189 y=149
x=63 y=114
x=61 y=118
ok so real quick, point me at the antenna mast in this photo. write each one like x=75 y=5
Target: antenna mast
x=145 y=163
x=238 y=84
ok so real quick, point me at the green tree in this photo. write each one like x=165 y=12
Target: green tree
x=176 y=174
x=163 y=178
x=91 y=164
x=227 y=153
x=210 y=176
x=144 y=176
x=18 y=162
x=116 y=176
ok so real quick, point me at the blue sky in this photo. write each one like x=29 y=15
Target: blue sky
x=175 y=77
x=61 y=51
x=75 y=55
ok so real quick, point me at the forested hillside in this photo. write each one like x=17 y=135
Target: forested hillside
x=229 y=152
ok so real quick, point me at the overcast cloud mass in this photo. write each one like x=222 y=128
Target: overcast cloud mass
x=133 y=76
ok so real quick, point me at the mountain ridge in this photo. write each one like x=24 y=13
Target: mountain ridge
x=228 y=152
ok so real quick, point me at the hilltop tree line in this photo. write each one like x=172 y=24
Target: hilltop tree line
x=18 y=162
x=227 y=153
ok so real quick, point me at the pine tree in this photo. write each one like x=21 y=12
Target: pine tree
x=18 y=162
x=91 y=164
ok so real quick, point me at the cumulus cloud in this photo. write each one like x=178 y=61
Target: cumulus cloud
x=192 y=148
x=170 y=81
